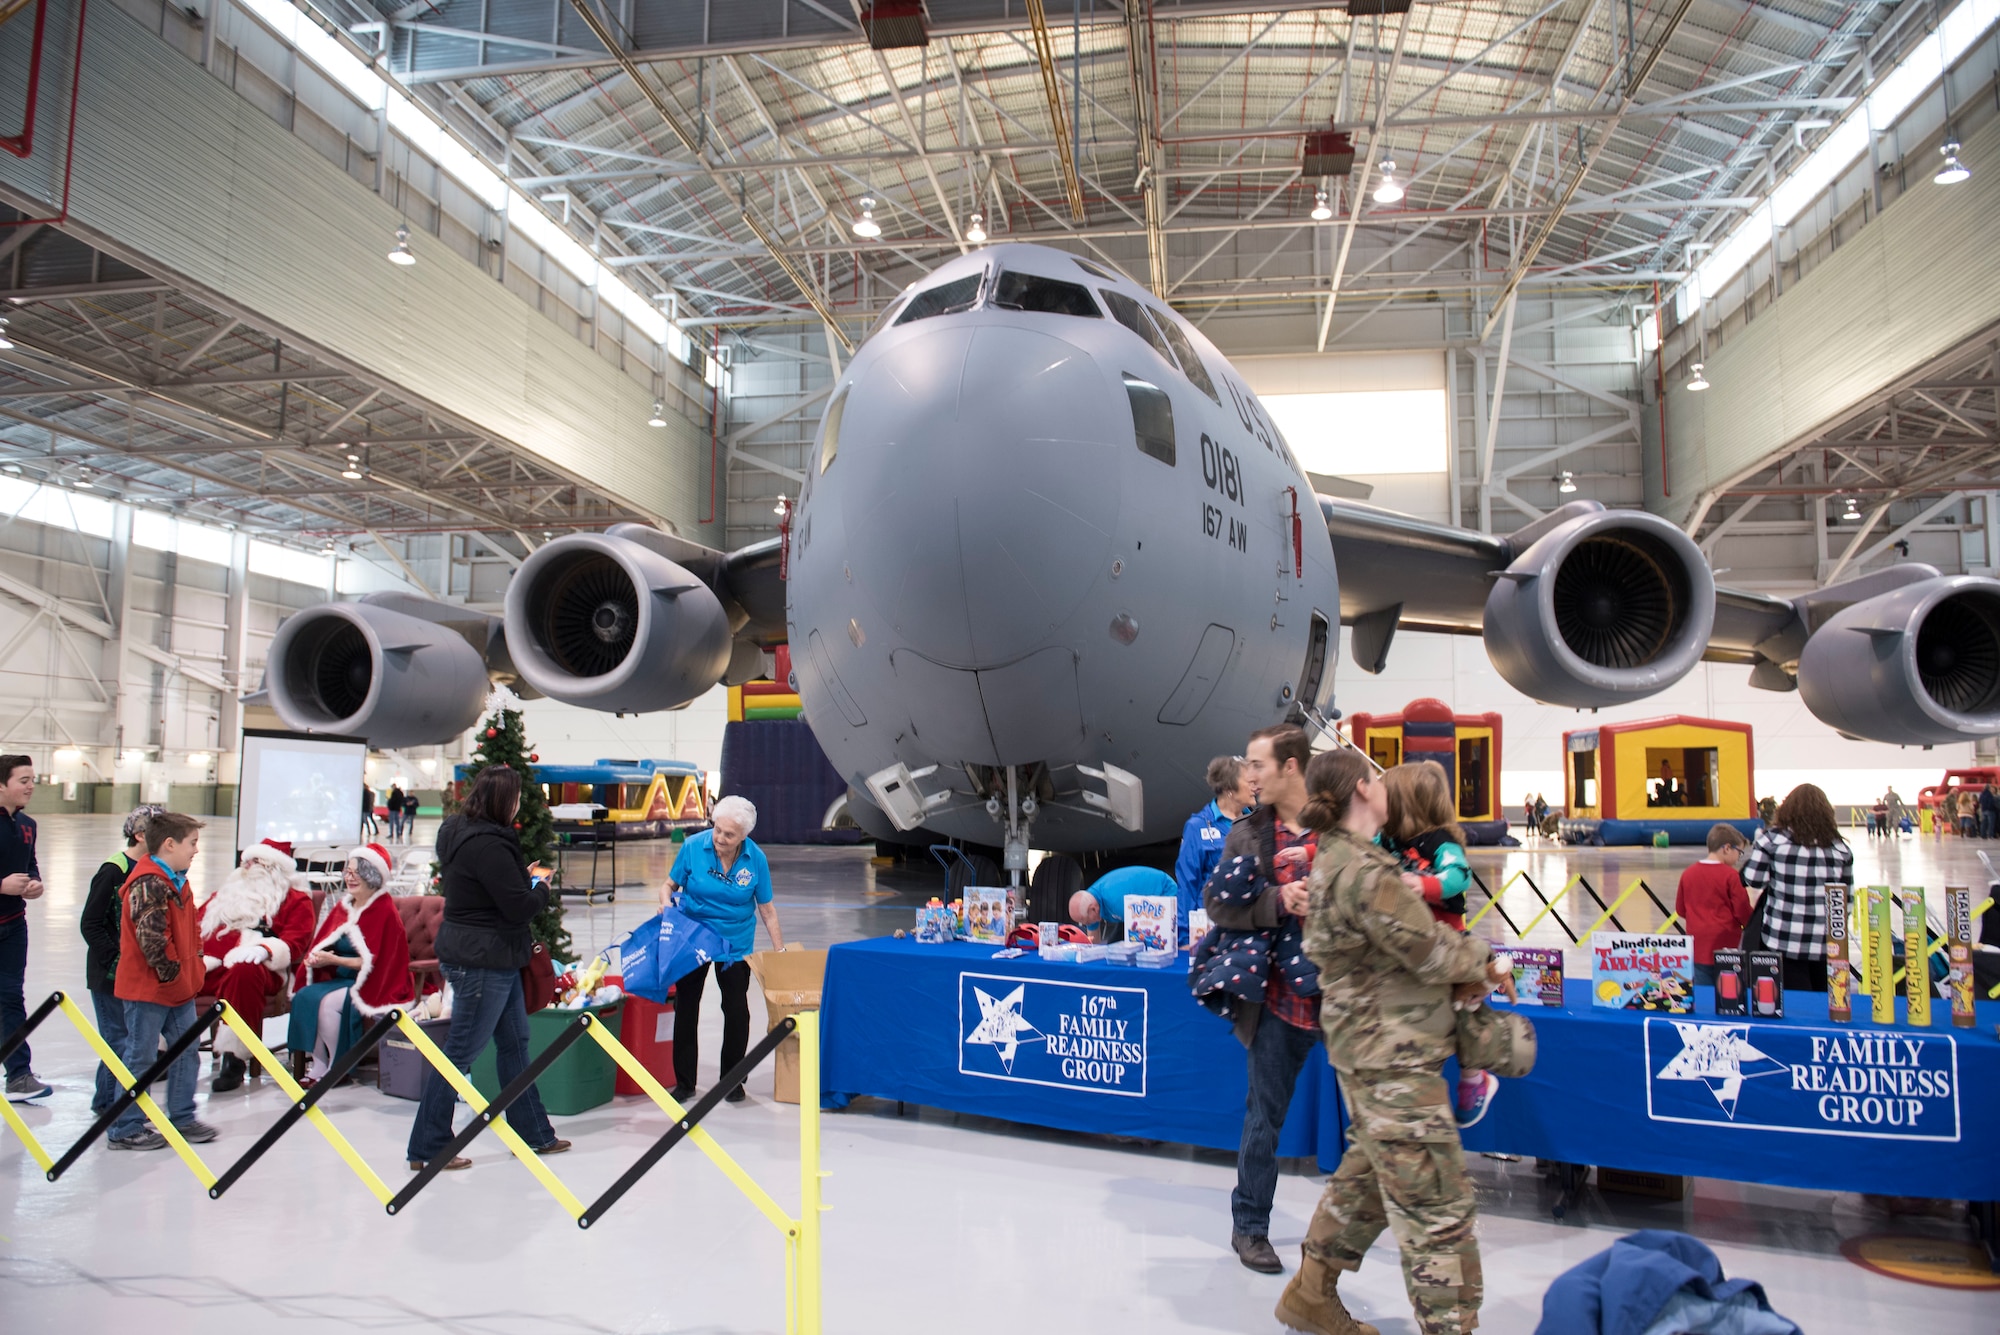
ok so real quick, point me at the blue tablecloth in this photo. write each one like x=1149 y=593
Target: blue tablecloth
x=1797 y=1102
x=1079 y=1047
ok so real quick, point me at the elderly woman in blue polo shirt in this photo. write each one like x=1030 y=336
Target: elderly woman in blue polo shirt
x=722 y=880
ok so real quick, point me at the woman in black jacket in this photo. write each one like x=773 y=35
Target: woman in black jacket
x=101 y=910
x=482 y=946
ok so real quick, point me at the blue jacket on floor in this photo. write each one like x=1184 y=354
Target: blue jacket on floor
x=1622 y=1290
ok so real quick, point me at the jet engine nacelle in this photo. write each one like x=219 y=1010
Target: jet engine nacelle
x=603 y=621
x=1601 y=609
x=363 y=670
x=1915 y=666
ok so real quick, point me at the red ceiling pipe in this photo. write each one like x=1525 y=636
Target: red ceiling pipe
x=1660 y=387
x=23 y=144
x=714 y=417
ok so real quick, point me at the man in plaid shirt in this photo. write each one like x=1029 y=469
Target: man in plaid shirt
x=1282 y=1033
x=1792 y=861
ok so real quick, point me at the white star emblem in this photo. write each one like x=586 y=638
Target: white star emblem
x=1720 y=1056
x=1000 y=1025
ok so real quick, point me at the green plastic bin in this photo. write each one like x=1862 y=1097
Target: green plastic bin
x=581 y=1079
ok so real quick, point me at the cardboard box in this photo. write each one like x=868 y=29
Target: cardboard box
x=1659 y=1186
x=791 y=980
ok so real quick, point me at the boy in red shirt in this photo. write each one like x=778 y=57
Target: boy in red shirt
x=1711 y=901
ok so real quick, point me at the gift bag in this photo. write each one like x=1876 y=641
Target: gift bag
x=664 y=949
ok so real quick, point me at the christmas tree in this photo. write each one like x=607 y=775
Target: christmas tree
x=501 y=740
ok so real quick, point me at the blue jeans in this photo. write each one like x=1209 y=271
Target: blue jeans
x=1277 y=1054
x=486 y=1005
x=111 y=1024
x=146 y=1023
x=1704 y=974
x=14 y=977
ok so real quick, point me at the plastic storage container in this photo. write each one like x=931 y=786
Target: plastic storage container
x=581 y=1079
x=647 y=1031
x=400 y=1073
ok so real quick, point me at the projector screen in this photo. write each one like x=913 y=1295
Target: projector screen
x=300 y=790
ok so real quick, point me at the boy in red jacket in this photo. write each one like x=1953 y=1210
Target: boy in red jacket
x=1712 y=902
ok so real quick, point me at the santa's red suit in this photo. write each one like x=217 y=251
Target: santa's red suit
x=253 y=930
x=382 y=977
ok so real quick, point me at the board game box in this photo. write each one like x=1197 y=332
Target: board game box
x=1151 y=920
x=1538 y=975
x=1642 y=971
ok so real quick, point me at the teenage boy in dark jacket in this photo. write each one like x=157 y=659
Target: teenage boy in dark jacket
x=1281 y=1032
x=102 y=908
x=20 y=881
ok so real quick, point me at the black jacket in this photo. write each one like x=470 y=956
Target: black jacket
x=488 y=898
x=101 y=910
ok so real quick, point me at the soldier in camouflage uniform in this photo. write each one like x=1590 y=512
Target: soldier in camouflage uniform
x=1389 y=974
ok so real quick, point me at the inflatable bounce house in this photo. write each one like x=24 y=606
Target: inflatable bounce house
x=1629 y=783
x=1467 y=745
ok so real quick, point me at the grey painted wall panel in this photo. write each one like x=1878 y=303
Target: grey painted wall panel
x=1917 y=282
x=176 y=168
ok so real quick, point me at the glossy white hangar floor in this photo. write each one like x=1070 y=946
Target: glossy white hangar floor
x=938 y=1222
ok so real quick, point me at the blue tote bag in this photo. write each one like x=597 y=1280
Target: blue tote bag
x=664 y=949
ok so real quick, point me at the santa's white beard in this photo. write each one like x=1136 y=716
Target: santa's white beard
x=247 y=896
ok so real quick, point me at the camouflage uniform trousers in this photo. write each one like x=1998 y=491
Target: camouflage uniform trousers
x=1405 y=1169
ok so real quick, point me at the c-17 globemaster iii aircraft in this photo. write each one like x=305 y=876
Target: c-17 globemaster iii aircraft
x=1052 y=556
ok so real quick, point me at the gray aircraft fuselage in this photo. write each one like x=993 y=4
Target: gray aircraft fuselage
x=989 y=570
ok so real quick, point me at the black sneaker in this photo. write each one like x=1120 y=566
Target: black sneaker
x=229 y=1072
x=735 y=1095
x=683 y=1094
x=145 y=1138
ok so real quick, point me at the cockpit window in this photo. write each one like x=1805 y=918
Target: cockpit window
x=1049 y=296
x=882 y=320
x=829 y=444
x=1152 y=418
x=945 y=299
x=1129 y=313
x=1184 y=346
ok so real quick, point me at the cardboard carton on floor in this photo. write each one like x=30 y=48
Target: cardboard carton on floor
x=791 y=980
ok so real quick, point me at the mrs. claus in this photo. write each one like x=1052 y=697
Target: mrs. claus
x=358 y=967
x=253 y=929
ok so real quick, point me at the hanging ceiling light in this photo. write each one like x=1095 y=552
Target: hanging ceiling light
x=352 y=472
x=402 y=254
x=1388 y=192
x=5 y=342
x=1953 y=170
x=1699 y=382
x=83 y=478
x=976 y=233
x=784 y=504
x=1321 y=209
x=1568 y=484
x=659 y=417
x=1853 y=512
x=865 y=226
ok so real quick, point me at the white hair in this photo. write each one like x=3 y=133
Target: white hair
x=737 y=811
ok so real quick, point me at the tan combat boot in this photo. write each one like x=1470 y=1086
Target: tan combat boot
x=1309 y=1302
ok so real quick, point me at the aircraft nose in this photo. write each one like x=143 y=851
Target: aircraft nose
x=989 y=456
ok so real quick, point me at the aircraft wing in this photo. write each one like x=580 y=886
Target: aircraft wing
x=1588 y=607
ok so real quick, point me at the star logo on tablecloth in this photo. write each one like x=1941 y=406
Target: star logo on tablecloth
x=1000 y=1025
x=1721 y=1057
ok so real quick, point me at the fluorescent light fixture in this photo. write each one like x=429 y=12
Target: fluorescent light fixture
x=1568 y=483
x=1321 y=209
x=659 y=417
x=1953 y=170
x=1388 y=192
x=401 y=253
x=1698 y=382
x=5 y=342
x=976 y=233
x=865 y=226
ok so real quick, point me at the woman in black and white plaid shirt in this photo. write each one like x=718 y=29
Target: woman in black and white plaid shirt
x=1791 y=861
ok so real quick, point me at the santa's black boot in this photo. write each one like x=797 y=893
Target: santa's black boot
x=229 y=1073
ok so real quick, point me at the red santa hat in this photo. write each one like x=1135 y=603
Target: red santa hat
x=271 y=851
x=374 y=854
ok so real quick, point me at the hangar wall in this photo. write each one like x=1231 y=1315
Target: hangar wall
x=247 y=183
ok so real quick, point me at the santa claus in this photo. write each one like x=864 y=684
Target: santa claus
x=254 y=929
x=358 y=967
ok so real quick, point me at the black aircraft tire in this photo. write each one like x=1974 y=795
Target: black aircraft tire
x=1056 y=878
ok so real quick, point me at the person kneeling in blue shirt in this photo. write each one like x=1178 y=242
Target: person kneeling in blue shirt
x=723 y=882
x=1201 y=839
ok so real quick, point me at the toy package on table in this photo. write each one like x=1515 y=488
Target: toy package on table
x=986 y=914
x=936 y=924
x=1642 y=971
x=1538 y=975
x=1958 y=931
x=1157 y=959
x=1152 y=921
x=1121 y=952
